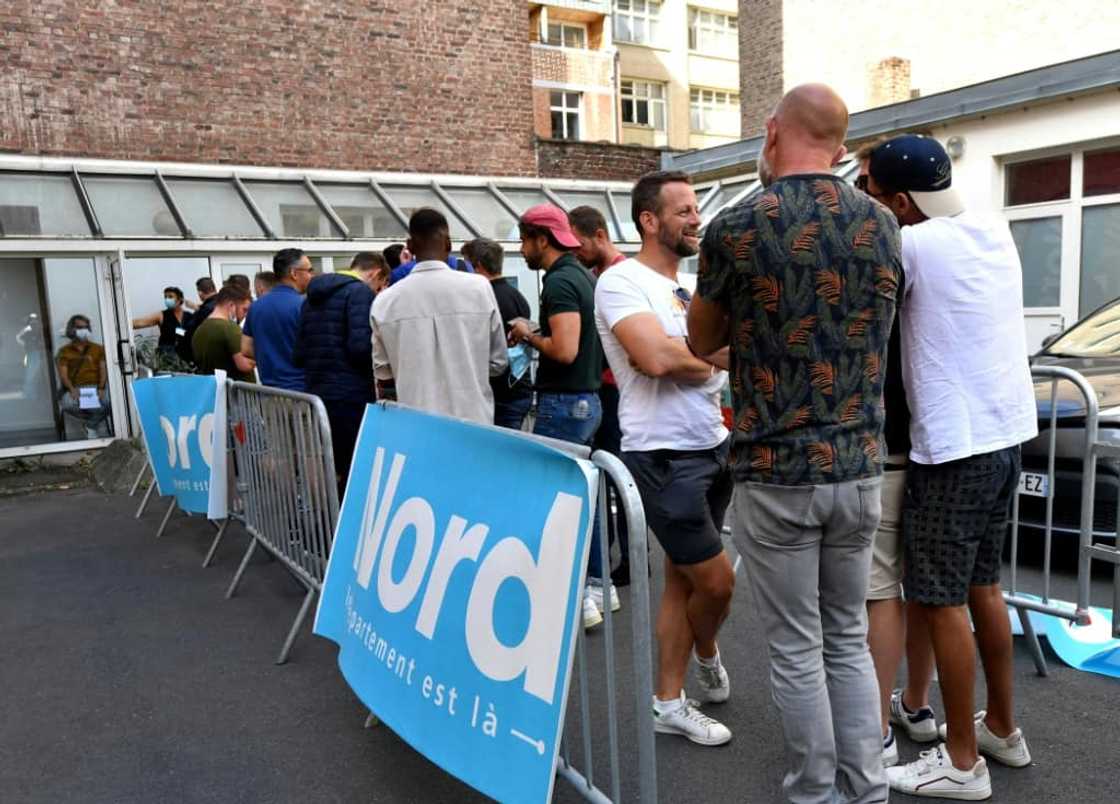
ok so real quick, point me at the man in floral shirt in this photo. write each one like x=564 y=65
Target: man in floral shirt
x=801 y=281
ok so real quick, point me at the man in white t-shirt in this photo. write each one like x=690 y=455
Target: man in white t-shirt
x=968 y=384
x=674 y=444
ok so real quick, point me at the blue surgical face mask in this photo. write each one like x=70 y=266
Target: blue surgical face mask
x=82 y=333
x=169 y=302
x=519 y=362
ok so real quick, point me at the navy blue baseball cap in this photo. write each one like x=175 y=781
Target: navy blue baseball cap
x=919 y=166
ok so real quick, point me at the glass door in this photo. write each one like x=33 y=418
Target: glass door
x=248 y=265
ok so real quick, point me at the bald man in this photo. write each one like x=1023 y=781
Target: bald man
x=800 y=283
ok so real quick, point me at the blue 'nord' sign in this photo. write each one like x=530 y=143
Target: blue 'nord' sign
x=453 y=592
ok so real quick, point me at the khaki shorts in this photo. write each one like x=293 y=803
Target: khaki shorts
x=886 y=550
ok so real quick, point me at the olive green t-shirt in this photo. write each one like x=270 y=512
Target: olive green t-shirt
x=214 y=344
x=569 y=288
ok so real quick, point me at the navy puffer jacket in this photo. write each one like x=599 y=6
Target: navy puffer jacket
x=334 y=343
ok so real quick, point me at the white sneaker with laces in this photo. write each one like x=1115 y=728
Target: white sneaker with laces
x=920 y=726
x=890 y=749
x=687 y=720
x=932 y=775
x=715 y=686
x=1010 y=750
x=596 y=592
x=591 y=615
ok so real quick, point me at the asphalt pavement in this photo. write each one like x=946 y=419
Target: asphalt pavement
x=127 y=677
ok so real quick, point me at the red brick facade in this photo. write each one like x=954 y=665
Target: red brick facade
x=761 y=54
x=331 y=84
x=600 y=161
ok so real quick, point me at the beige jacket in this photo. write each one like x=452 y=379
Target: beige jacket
x=439 y=335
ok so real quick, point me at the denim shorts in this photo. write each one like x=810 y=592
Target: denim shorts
x=954 y=518
x=568 y=417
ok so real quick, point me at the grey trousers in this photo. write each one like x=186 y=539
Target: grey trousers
x=807 y=554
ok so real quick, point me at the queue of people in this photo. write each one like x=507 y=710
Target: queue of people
x=873 y=340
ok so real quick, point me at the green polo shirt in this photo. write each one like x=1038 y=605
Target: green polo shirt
x=569 y=288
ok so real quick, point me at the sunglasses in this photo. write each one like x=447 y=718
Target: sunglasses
x=683 y=295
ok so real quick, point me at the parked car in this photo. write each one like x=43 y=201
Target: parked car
x=1090 y=347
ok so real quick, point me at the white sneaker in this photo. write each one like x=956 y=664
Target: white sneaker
x=688 y=721
x=591 y=615
x=596 y=592
x=933 y=776
x=920 y=726
x=890 y=749
x=1010 y=750
x=715 y=686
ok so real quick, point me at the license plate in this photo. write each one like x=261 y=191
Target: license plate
x=1034 y=485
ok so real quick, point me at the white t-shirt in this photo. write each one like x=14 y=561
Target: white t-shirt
x=964 y=343
x=654 y=413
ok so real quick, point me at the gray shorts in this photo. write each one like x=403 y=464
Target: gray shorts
x=685 y=495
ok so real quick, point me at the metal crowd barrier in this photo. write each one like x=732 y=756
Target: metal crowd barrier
x=1090 y=451
x=623 y=502
x=618 y=500
x=286 y=483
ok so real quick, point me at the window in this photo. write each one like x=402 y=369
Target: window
x=712 y=33
x=565 y=34
x=1100 y=241
x=213 y=208
x=714 y=111
x=1102 y=172
x=1039 y=242
x=1038 y=180
x=565 y=115
x=637 y=21
x=130 y=207
x=643 y=104
x=40 y=297
x=42 y=204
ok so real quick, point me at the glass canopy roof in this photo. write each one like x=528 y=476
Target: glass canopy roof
x=72 y=201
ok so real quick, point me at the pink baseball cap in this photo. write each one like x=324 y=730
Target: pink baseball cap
x=555 y=220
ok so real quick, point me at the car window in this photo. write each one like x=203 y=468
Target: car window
x=1098 y=335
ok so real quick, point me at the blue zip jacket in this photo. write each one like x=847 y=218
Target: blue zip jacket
x=334 y=342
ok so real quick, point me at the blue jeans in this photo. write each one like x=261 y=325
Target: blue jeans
x=573 y=418
x=512 y=412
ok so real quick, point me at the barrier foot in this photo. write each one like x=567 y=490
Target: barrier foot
x=166 y=517
x=241 y=569
x=580 y=783
x=214 y=544
x=147 y=496
x=371 y=721
x=136 y=482
x=284 y=651
x=1033 y=643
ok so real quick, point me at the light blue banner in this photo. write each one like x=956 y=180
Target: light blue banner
x=454 y=591
x=184 y=424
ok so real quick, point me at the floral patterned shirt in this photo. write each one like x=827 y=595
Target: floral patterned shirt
x=808 y=272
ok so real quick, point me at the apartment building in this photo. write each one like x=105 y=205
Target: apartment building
x=879 y=52
x=659 y=73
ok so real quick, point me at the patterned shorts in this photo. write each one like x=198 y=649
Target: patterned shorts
x=954 y=521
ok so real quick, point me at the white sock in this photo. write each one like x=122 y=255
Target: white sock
x=665 y=707
x=710 y=662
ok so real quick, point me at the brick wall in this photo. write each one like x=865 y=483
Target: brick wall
x=572 y=66
x=333 y=83
x=761 y=61
x=559 y=159
x=889 y=81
